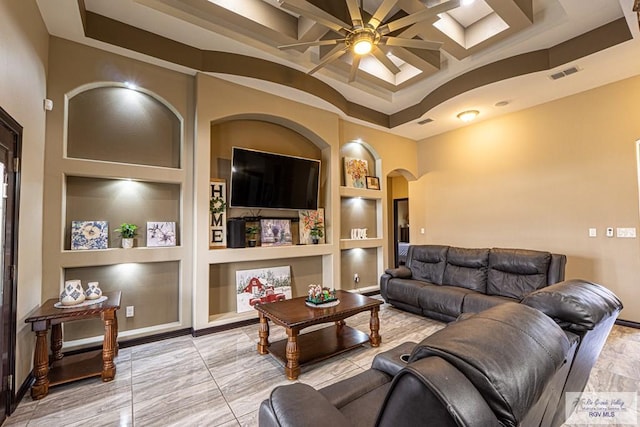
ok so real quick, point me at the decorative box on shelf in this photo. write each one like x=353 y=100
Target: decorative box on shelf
x=321 y=296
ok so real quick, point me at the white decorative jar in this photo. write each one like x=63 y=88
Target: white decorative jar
x=127 y=243
x=93 y=291
x=73 y=293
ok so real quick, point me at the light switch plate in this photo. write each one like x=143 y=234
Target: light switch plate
x=593 y=232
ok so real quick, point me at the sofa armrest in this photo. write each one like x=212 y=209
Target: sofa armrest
x=445 y=396
x=299 y=404
x=577 y=305
x=401 y=272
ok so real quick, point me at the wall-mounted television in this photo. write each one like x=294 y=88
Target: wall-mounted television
x=262 y=180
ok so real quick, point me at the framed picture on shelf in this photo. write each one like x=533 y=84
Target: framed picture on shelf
x=275 y=232
x=355 y=171
x=262 y=285
x=311 y=226
x=161 y=234
x=89 y=235
x=373 y=182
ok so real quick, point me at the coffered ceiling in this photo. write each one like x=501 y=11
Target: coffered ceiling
x=431 y=58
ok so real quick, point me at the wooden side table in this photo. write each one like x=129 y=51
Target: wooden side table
x=56 y=369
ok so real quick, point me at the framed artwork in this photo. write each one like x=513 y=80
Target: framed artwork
x=309 y=218
x=161 y=234
x=261 y=286
x=275 y=232
x=355 y=171
x=373 y=182
x=89 y=235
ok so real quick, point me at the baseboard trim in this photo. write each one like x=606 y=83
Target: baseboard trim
x=226 y=327
x=628 y=323
x=135 y=341
x=22 y=392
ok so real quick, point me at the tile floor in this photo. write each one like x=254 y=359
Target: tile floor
x=220 y=379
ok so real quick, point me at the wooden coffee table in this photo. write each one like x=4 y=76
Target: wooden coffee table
x=294 y=315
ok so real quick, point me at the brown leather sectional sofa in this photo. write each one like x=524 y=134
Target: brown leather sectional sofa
x=443 y=282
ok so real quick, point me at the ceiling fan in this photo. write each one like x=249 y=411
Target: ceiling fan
x=363 y=38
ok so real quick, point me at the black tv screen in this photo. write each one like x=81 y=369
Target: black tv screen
x=273 y=181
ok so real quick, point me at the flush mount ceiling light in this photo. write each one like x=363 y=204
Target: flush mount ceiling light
x=467 y=116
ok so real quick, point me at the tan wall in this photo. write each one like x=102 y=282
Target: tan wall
x=23 y=73
x=539 y=179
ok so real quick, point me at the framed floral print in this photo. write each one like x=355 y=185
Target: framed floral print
x=89 y=235
x=355 y=172
x=161 y=234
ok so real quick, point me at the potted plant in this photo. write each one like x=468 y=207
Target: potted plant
x=316 y=232
x=252 y=232
x=127 y=231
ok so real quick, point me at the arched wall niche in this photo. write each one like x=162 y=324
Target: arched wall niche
x=108 y=121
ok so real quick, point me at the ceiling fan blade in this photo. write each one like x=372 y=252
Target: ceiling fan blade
x=381 y=13
x=354 y=12
x=315 y=43
x=384 y=59
x=411 y=43
x=335 y=53
x=418 y=16
x=354 y=68
x=315 y=13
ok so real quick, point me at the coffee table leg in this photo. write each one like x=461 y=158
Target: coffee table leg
x=263 y=334
x=339 y=325
x=292 y=370
x=374 y=324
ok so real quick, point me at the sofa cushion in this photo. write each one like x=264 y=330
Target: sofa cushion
x=509 y=386
x=516 y=272
x=467 y=268
x=427 y=262
x=476 y=302
x=443 y=299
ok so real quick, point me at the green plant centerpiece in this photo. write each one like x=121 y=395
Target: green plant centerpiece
x=252 y=233
x=127 y=231
x=316 y=232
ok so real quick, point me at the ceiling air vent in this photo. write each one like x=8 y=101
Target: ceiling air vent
x=425 y=121
x=564 y=73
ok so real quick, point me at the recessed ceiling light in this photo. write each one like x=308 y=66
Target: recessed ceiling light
x=502 y=103
x=467 y=116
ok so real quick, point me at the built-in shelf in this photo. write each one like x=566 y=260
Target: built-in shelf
x=82 y=258
x=221 y=256
x=360 y=243
x=360 y=192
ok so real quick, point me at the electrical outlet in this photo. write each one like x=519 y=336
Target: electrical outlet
x=130 y=311
x=609 y=231
x=356 y=278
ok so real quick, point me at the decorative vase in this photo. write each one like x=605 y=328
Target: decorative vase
x=252 y=243
x=73 y=293
x=315 y=240
x=127 y=243
x=93 y=291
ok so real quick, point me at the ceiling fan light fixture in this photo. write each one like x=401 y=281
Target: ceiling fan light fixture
x=362 y=40
x=362 y=47
x=467 y=116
